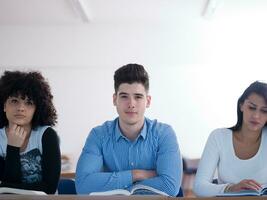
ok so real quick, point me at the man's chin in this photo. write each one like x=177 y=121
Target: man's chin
x=131 y=122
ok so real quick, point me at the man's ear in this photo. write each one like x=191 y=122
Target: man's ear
x=114 y=99
x=148 y=101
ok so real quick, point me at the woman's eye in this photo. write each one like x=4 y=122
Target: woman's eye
x=29 y=103
x=252 y=108
x=14 y=101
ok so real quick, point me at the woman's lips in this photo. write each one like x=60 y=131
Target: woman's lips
x=20 y=116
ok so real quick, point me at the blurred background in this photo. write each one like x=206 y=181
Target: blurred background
x=200 y=55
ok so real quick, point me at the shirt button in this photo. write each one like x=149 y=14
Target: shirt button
x=132 y=163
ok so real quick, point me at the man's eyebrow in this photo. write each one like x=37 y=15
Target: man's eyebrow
x=123 y=93
x=139 y=94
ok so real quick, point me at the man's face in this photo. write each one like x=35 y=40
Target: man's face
x=131 y=101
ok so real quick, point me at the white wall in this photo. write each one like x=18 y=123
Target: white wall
x=198 y=69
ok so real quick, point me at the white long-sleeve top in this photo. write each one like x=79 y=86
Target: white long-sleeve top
x=219 y=154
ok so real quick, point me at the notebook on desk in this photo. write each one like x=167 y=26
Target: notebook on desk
x=261 y=192
x=7 y=190
x=135 y=190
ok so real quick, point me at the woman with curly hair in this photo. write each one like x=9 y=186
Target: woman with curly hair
x=29 y=147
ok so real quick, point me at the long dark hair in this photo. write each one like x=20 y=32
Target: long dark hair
x=256 y=87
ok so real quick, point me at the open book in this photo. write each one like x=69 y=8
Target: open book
x=7 y=190
x=261 y=192
x=135 y=190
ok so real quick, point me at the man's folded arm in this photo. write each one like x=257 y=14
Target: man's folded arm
x=90 y=176
x=169 y=166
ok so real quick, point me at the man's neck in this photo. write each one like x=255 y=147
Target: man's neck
x=131 y=131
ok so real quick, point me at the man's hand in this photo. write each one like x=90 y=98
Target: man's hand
x=247 y=184
x=15 y=135
x=139 y=174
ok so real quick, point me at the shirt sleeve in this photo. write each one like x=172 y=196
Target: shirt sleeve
x=203 y=185
x=2 y=168
x=51 y=165
x=168 y=165
x=51 y=161
x=12 y=166
x=90 y=176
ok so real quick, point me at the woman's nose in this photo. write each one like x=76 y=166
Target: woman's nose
x=256 y=114
x=21 y=106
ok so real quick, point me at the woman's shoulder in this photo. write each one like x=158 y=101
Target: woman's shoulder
x=50 y=136
x=2 y=131
x=220 y=133
x=46 y=133
x=264 y=130
x=264 y=134
x=49 y=129
x=219 y=138
x=49 y=132
x=41 y=131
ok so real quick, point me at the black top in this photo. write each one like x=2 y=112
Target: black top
x=10 y=167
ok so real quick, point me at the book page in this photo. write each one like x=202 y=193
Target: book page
x=264 y=189
x=111 y=192
x=146 y=190
x=7 y=190
x=260 y=192
x=241 y=193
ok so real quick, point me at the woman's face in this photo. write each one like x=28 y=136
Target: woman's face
x=254 y=111
x=19 y=111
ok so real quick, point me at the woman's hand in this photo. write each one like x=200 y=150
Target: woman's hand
x=246 y=184
x=16 y=135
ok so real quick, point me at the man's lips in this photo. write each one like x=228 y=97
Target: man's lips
x=131 y=113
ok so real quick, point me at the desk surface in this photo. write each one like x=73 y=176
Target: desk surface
x=85 y=197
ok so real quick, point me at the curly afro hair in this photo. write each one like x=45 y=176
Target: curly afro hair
x=33 y=86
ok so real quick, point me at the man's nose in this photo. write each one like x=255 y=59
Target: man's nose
x=131 y=103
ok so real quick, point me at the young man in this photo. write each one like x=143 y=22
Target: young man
x=130 y=149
